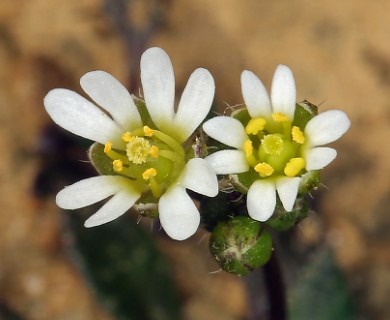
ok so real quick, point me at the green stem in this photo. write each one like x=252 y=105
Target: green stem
x=267 y=284
x=275 y=288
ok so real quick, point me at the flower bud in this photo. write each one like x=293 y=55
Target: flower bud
x=240 y=245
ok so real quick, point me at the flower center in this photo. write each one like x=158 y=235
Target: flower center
x=137 y=150
x=274 y=147
x=272 y=144
x=151 y=158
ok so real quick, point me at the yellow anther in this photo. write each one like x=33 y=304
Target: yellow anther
x=127 y=136
x=279 y=117
x=153 y=151
x=107 y=147
x=255 y=125
x=117 y=165
x=148 y=173
x=297 y=135
x=264 y=169
x=248 y=148
x=147 y=131
x=294 y=166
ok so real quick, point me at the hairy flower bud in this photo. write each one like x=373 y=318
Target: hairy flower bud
x=240 y=245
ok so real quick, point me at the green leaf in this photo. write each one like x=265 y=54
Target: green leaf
x=130 y=275
x=321 y=292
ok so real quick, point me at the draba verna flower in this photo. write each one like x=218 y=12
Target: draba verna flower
x=140 y=144
x=274 y=148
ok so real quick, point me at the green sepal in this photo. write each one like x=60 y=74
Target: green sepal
x=304 y=112
x=101 y=162
x=282 y=220
x=309 y=181
x=243 y=181
x=240 y=245
x=143 y=112
x=241 y=115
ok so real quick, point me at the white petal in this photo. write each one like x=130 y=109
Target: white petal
x=195 y=103
x=178 y=214
x=283 y=92
x=255 y=95
x=198 y=176
x=227 y=130
x=111 y=95
x=327 y=127
x=158 y=82
x=88 y=191
x=261 y=200
x=76 y=114
x=114 y=208
x=320 y=157
x=228 y=162
x=287 y=190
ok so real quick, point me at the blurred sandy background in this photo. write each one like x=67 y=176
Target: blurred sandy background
x=339 y=52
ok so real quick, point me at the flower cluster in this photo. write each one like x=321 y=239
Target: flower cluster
x=144 y=154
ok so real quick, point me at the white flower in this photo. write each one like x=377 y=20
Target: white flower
x=148 y=159
x=273 y=151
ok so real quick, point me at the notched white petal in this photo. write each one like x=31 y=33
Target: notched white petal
x=327 y=127
x=158 y=83
x=283 y=92
x=195 y=103
x=113 y=97
x=287 y=190
x=76 y=114
x=261 y=200
x=178 y=214
x=113 y=208
x=227 y=130
x=228 y=162
x=89 y=191
x=255 y=95
x=199 y=176
x=320 y=157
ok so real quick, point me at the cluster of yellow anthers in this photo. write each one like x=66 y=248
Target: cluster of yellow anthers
x=144 y=147
x=274 y=146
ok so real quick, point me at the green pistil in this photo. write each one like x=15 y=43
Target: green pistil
x=273 y=144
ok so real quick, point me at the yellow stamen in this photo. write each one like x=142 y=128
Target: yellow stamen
x=117 y=165
x=297 y=135
x=148 y=173
x=264 y=169
x=107 y=147
x=248 y=148
x=147 y=131
x=127 y=137
x=255 y=125
x=279 y=117
x=153 y=151
x=294 y=166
